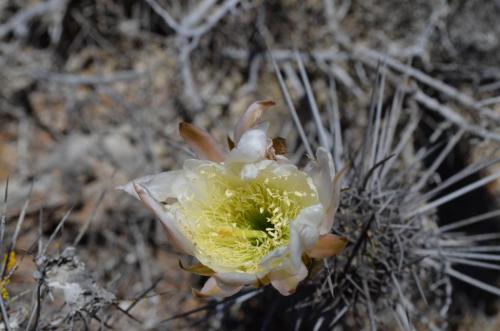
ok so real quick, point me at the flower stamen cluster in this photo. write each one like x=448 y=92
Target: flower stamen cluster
x=243 y=220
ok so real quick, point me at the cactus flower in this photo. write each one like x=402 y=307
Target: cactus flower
x=249 y=216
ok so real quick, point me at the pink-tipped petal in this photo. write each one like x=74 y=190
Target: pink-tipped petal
x=327 y=223
x=177 y=237
x=203 y=144
x=285 y=283
x=327 y=245
x=212 y=289
x=251 y=117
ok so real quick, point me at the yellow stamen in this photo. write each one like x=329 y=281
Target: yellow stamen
x=242 y=220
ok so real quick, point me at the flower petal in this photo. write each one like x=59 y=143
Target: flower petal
x=326 y=225
x=307 y=224
x=322 y=172
x=250 y=117
x=198 y=269
x=212 y=289
x=177 y=237
x=295 y=245
x=327 y=245
x=251 y=170
x=284 y=169
x=278 y=258
x=285 y=283
x=203 y=144
x=252 y=146
x=304 y=232
x=161 y=186
x=235 y=278
x=198 y=174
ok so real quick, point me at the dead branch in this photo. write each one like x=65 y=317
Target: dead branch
x=19 y=22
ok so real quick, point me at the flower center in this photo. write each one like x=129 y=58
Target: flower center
x=242 y=221
x=260 y=221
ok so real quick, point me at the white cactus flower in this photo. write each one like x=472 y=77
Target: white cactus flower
x=249 y=216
